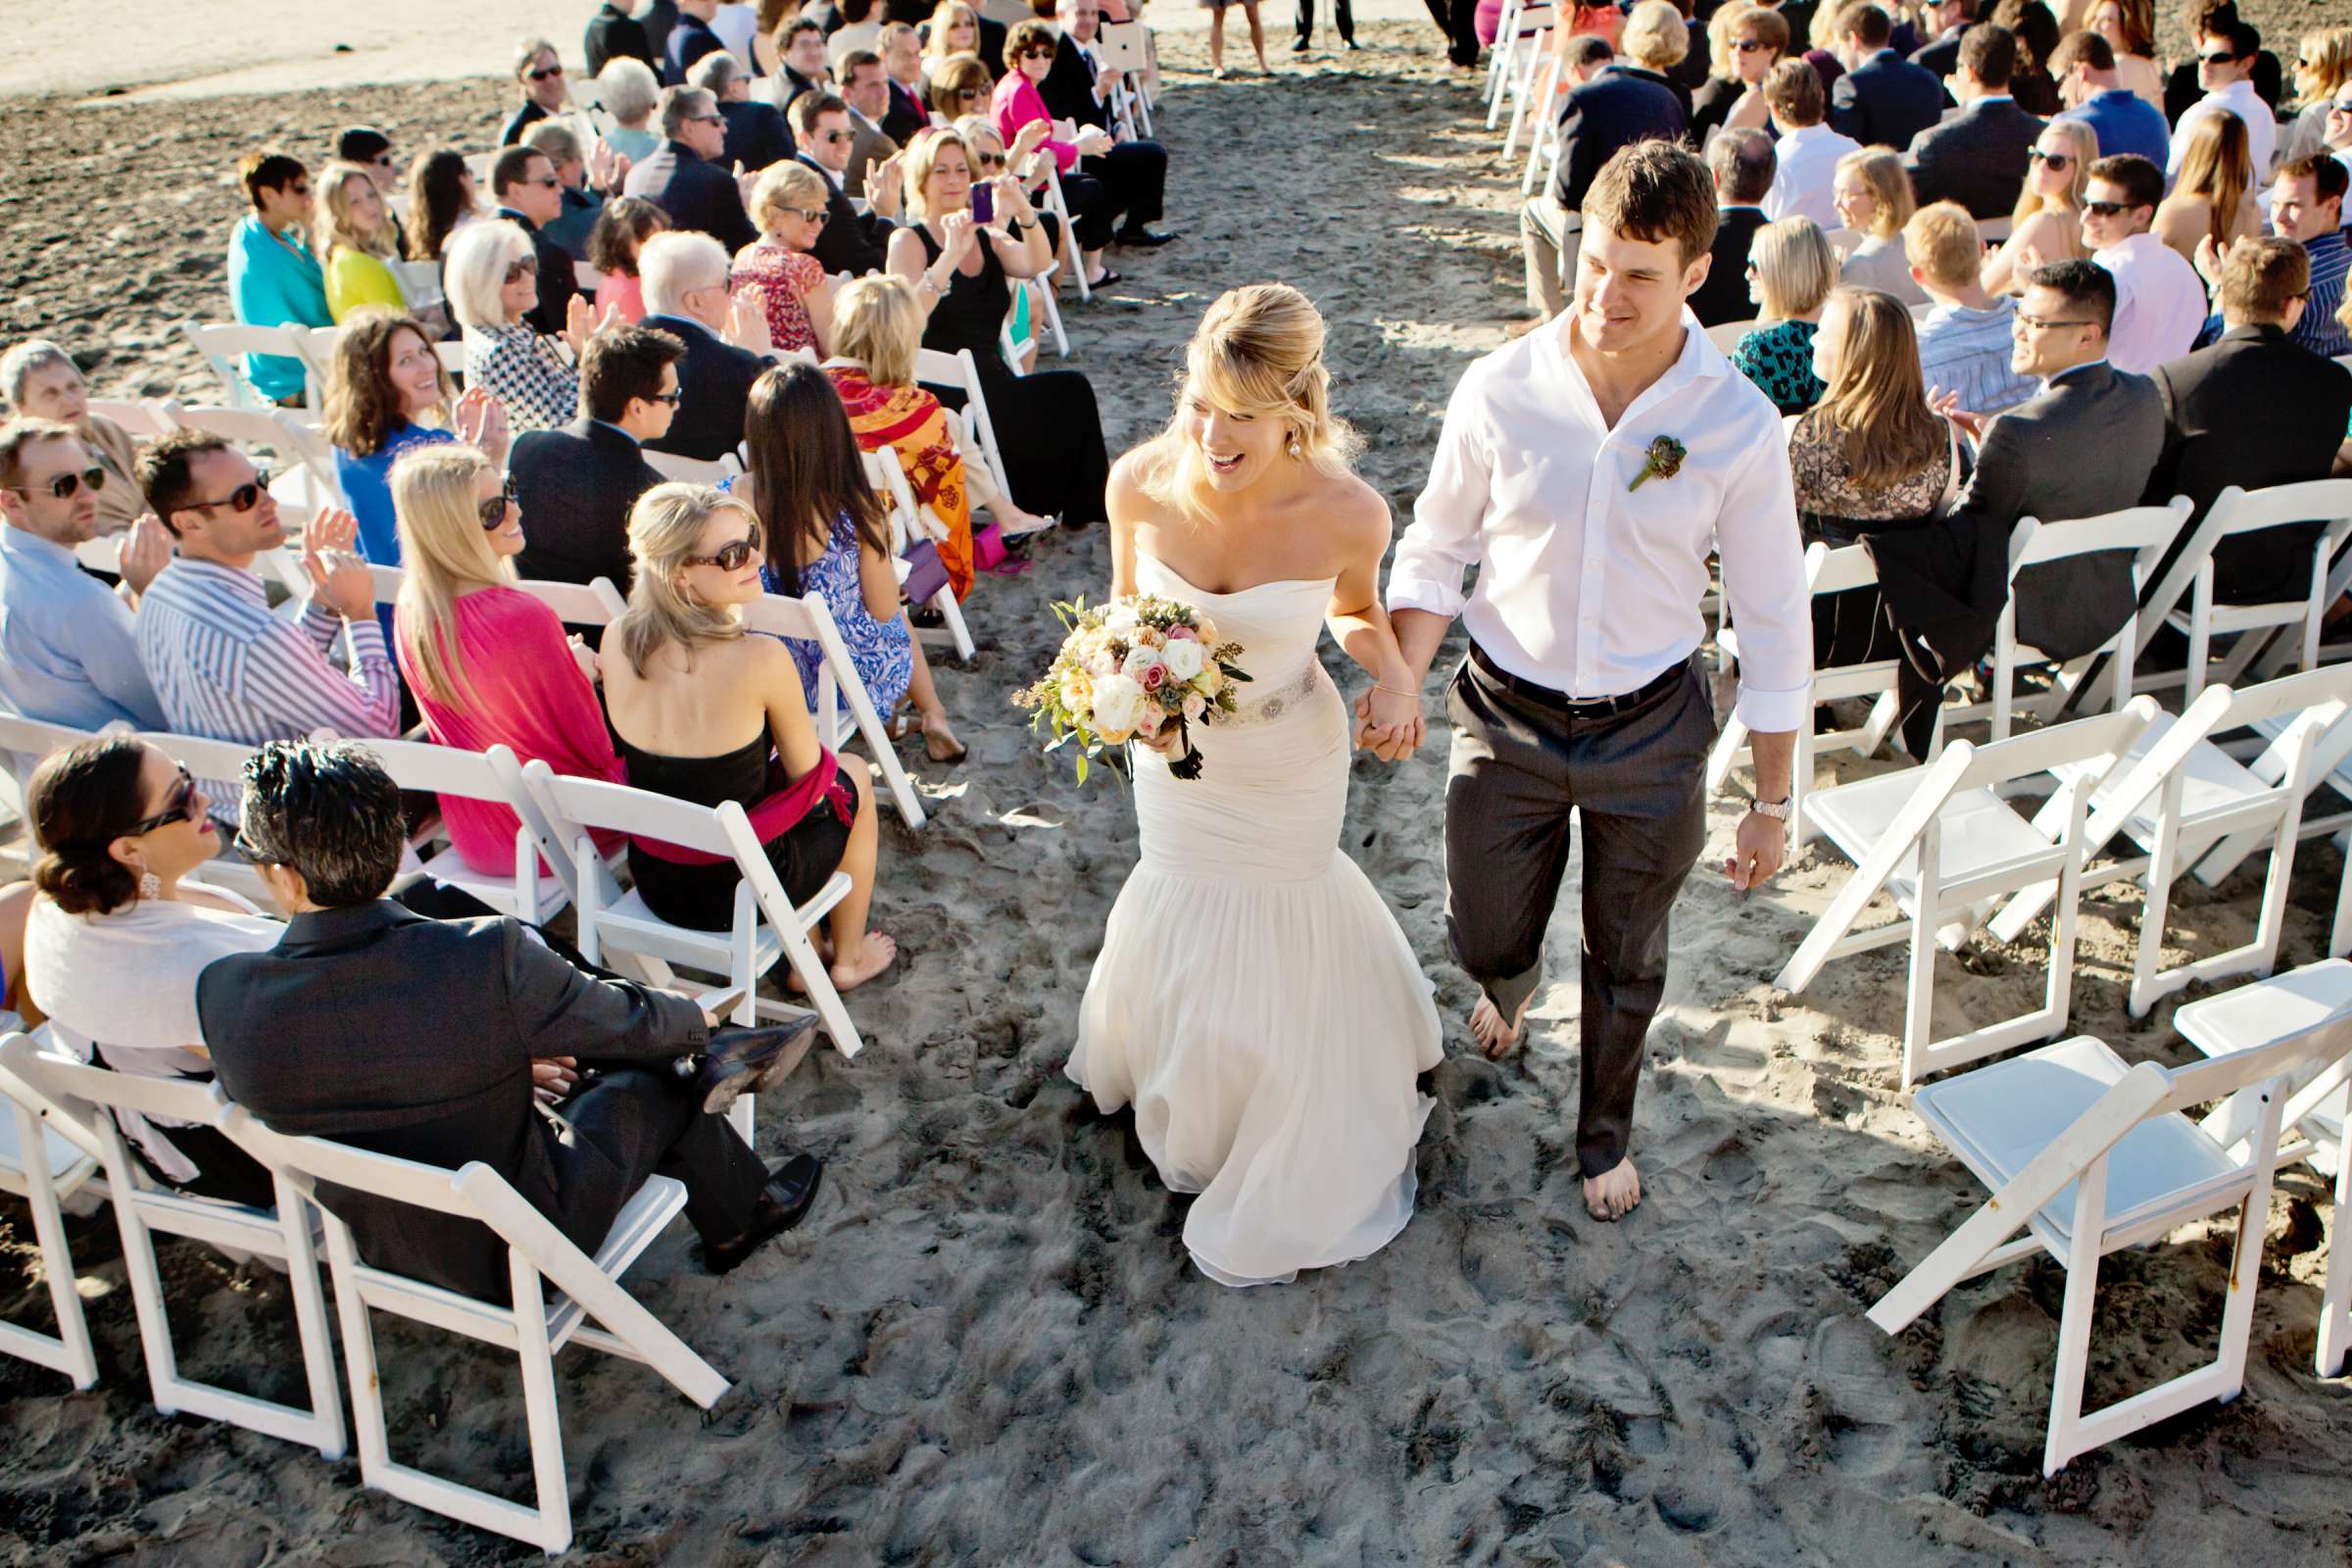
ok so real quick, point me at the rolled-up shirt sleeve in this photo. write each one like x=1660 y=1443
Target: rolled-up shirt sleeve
x=1764 y=575
x=1442 y=541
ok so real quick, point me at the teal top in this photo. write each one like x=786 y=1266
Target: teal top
x=273 y=280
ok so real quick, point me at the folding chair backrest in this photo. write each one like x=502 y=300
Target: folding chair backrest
x=2212 y=1078
x=452 y=354
x=961 y=370
x=1839 y=571
x=71 y=1122
x=222 y=343
x=589 y=803
x=2236 y=510
x=2146 y=531
x=201 y=754
x=2318 y=698
x=314 y=1159
x=89 y=1091
x=2108 y=735
x=578 y=603
x=419 y=284
x=808 y=619
x=692 y=470
x=493 y=775
x=143 y=420
x=33 y=739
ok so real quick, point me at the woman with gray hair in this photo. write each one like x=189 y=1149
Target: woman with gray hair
x=492 y=281
x=628 y=91
x=42 y=382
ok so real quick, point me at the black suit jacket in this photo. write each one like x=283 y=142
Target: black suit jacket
x=1619 y=107
x=756 y=135
x=1942 y=55
x=657 y=19
x=1977 y=158
x=851 y=242
x=696 y=195
x=1722 y=297
x=574 y=487
x=715 y=378
x=2254 y=410
x=1885 y=101
x=558 y=284
x=1070 y=87
x=907 y=115
x=329 y=1035
x=991 y=46
x=689 y=40
x=613 y=33
x=520 y=120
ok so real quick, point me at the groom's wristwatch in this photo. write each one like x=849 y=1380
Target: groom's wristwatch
x=1778 y=809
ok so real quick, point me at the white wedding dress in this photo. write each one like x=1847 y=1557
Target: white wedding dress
x=1255 y=1000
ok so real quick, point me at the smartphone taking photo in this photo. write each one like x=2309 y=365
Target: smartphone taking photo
x=984 y=204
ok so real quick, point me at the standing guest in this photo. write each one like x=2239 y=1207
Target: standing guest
x=41 y=381
x=1047 y=424
x=355 y=242
x=622 y=227
x=2093 y=91
x=223 y=665
x=539 y=75
x=2159 y=299
x=1745 y=41
x=2323 y=68
x=384 y=385
x=575 y=485
x=1217 y=35
x=873 y=375
x=1808 y=149
x=1077 y=88
x=684 y=176
x=1882 y=99
x=493 y=284
x=531 y=196
x=689 y=40
x=707 y=715
x=1016 y=106
x=1947 y=22
x=828 y=538
x=442 y=201
x=630 y=92
x=1874 y=203
x=1457 y=23
x=1742 y=162
x=68 y=654
x=2307 y=205
x=2129 y=27
x=779 y=271
x=274 y=279
x=685 y=278
x=487 y=662
x=865 y=89
x=1967 y=339
x=113 y=943
x=756 y=133
x=614 y=34
x=849 y=241
x=2047 y=224
x=2037 y=32
x=2226 y=48
x=1790 y=272
x=326 y=828
x=1342 y=17
x=2212 y=200
x=1977 y=158
x=902 y=55
x=2253 y=411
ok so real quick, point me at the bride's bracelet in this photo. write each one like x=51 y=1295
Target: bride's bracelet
x=1392 y=691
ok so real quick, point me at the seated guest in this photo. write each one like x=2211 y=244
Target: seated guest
x=2323 y=68
x=828 y=538
x=1881 y=100
x=881 y=327
x=442 y=201
x=2254 y=410
x=487 y=662
x=325 y=825
x=492 y=281
x=690 y=39
x=274 y=279
x=866 y=88
x=1790 y=272
x=1745 y=43
x=113 y=943
x=223 y=665
x=531 y=196
x=686 y=296
x=805 y=68
x=622 y=227
x=539 y=80
x=1944 y=23
x=2121 y=120
x=658 y=18
x=1808 y=149
x=1015 y=106
x=581 y=184
x=575 y=485
x=1742 y=162
x=1078 y=88
x=755 y=135
x=68 y=654
x=2160 y=300
x=2227 y=47
x=849 y=241
x=630 y=92
x=2307 y=205
x=1977 y=158
x=1873 y=196
x=683 y=177
x=2211 y=202
x=2129 y=27
x=780 y=273
x=953 y=30
x=858 y=30
x=2047 y=224
x=1047 y=424
x=355 y=241
x=384 y=386
x=614 y=34
x=1967 y=339
x=370 y=149
x=2036 y=30
x=958 y=86
x=902 y=52
x=41 y=381
x=707 y=715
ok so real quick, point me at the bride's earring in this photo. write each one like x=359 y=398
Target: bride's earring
x=1295 y=451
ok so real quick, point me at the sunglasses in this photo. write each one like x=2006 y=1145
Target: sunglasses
x=2039 y=324
x=2224 y=58
x=709 y=120
x=673 y=397
x=2342 y=106
x=836 y=136
x=244 y=498
x=548 y=181
x=814 y=215
x=66 y=485
x=528 y=267
x=178 y=807
x=2106 y=209
x=992 y=160
x=494 y=510
x=544 y=74
x=734 y=557
x=251 y=852
x=1751 y=46
x=1042 y=51
x=2058 y=162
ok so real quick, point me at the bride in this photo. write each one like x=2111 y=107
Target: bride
x=1255 y=999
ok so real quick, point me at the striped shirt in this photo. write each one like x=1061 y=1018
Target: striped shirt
x=522 y=370
x=2319 y=330
x=1966 y=351
x=228 y=669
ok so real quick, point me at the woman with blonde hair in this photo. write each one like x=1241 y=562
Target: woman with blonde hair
x=354 y=241
x=1873 y=195
x=1790 y=271
x=704 y=714
x=873 y=373
x=2214 y=195
x=1744 y=43
x=492 y=278
x=955 y=29
x=488 y=665
x=779 y=268
x=386 y=394
x=2048 y=223
x=1270 y=1055
x=2322 y=65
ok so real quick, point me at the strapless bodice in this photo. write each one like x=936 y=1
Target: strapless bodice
x=1278 y=624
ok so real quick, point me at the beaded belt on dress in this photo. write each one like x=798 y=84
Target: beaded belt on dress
x=1265 y=710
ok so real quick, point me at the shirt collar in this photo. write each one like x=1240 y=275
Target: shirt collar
x=1699 y=360
x=608 y=424
x=237 y=580
x=25 y=542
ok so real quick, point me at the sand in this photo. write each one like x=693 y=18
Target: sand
x=986 y=1345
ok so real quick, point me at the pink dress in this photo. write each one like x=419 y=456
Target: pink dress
x=619 y=288
x=527 y=695
x=1017 y=102
x=783 y=277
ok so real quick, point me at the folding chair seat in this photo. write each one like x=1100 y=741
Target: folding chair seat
x=1943 y=845
x=47 y=1156
x=916 y=537
x=692 y=470
x=2090 y=1154
x=589 y=1307
x=223 y=345
x=90 y=1094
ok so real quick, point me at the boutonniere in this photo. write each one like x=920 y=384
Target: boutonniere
x=1663 y=460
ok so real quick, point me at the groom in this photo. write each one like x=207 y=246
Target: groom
x=1587 y=471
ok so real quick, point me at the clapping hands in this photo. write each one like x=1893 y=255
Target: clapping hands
x=606 y=169
x=1390 y=727
x=581 y=322
x=142 y=553
x=480 y=421
x=747 y=321
x=339 y=577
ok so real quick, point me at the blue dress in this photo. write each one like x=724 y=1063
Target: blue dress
x=368 y=489
x=882 y=650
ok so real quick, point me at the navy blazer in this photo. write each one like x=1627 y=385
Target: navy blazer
x=697 y=195
x=1722 y=297
x=576 y=486
x=851 y=242
x=907 y=115
x=1977 y=158
x=1619 y=107
x=716 y=382
x=1885 y=101
x=690 y=40
x=657 y=19
x=613 y=33
x=756 y=135
x=1070 y=87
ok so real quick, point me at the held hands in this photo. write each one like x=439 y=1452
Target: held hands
x=142 y=551
x=1758 y=852
x=1388 y=726
x=480 y=421
x=747 y=180
x=339 y=578
x=1028 y=139
x=554 y=1078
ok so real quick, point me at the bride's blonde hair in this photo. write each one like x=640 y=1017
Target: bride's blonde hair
x=1260 y=352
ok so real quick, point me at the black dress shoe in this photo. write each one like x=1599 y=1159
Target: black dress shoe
x=1146 y=238
x=748 y=1062
x=783 y=1203
x=1351 y=43
x=1300 y=47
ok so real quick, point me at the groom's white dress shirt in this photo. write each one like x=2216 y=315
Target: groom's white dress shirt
x=1585 y=585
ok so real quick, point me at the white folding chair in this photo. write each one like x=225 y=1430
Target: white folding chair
x=692 y=470
x=1543 y=141
x=2233 y=513
x=452 y=354
x=526 y=893
x=578 y=603
x=535 y=1327
x=24 y=742
x=589 y=279
x=1942 y=842
x=308 y=480
x=91 y=1094
x=1042 y=306
x=910 y=524
x=145 y=420
x=960 y=372
x=222 y=345
x=1532 y=50
x=2090 y=1154
x=318 y=360
x=47 y=1156
x=808 y=619
x=1073 y=260
x=419 y=286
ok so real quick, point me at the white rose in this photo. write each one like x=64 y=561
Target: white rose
x=1073 y=690
x=1120 y=620
x=1139 y=659
x=1183 y=657
x=1118 y=705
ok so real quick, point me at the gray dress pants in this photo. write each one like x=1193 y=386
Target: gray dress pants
x=1637 y=778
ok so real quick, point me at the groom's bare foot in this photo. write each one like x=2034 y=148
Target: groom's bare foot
x=1496 y=1038
x=1612 y=1195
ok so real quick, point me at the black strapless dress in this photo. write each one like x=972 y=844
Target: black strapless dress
x=702 y=897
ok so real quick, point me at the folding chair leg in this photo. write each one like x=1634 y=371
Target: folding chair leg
x=2335 y=1299
x=70 y=1351
x=2063 y=1440
x=540 y=1416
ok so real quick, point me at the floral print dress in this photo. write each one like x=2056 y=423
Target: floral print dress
x=783 y=277
x=882 y=650
x=1779 y=358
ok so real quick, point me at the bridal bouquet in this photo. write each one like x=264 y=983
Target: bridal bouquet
x=1128 y=670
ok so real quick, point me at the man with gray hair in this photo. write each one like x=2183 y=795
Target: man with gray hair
x=756 y=133
x=41 y=381
x=1743 y=164
x=684 y=176
x=539 y=75
x=685 y=280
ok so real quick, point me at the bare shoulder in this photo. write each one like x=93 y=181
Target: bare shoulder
x=1356 y=516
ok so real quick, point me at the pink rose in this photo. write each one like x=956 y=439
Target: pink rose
x=1184 y=633
x=1155 y=677
x=1154 y=715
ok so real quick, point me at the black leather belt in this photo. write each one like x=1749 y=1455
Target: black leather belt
x=1575 y=708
